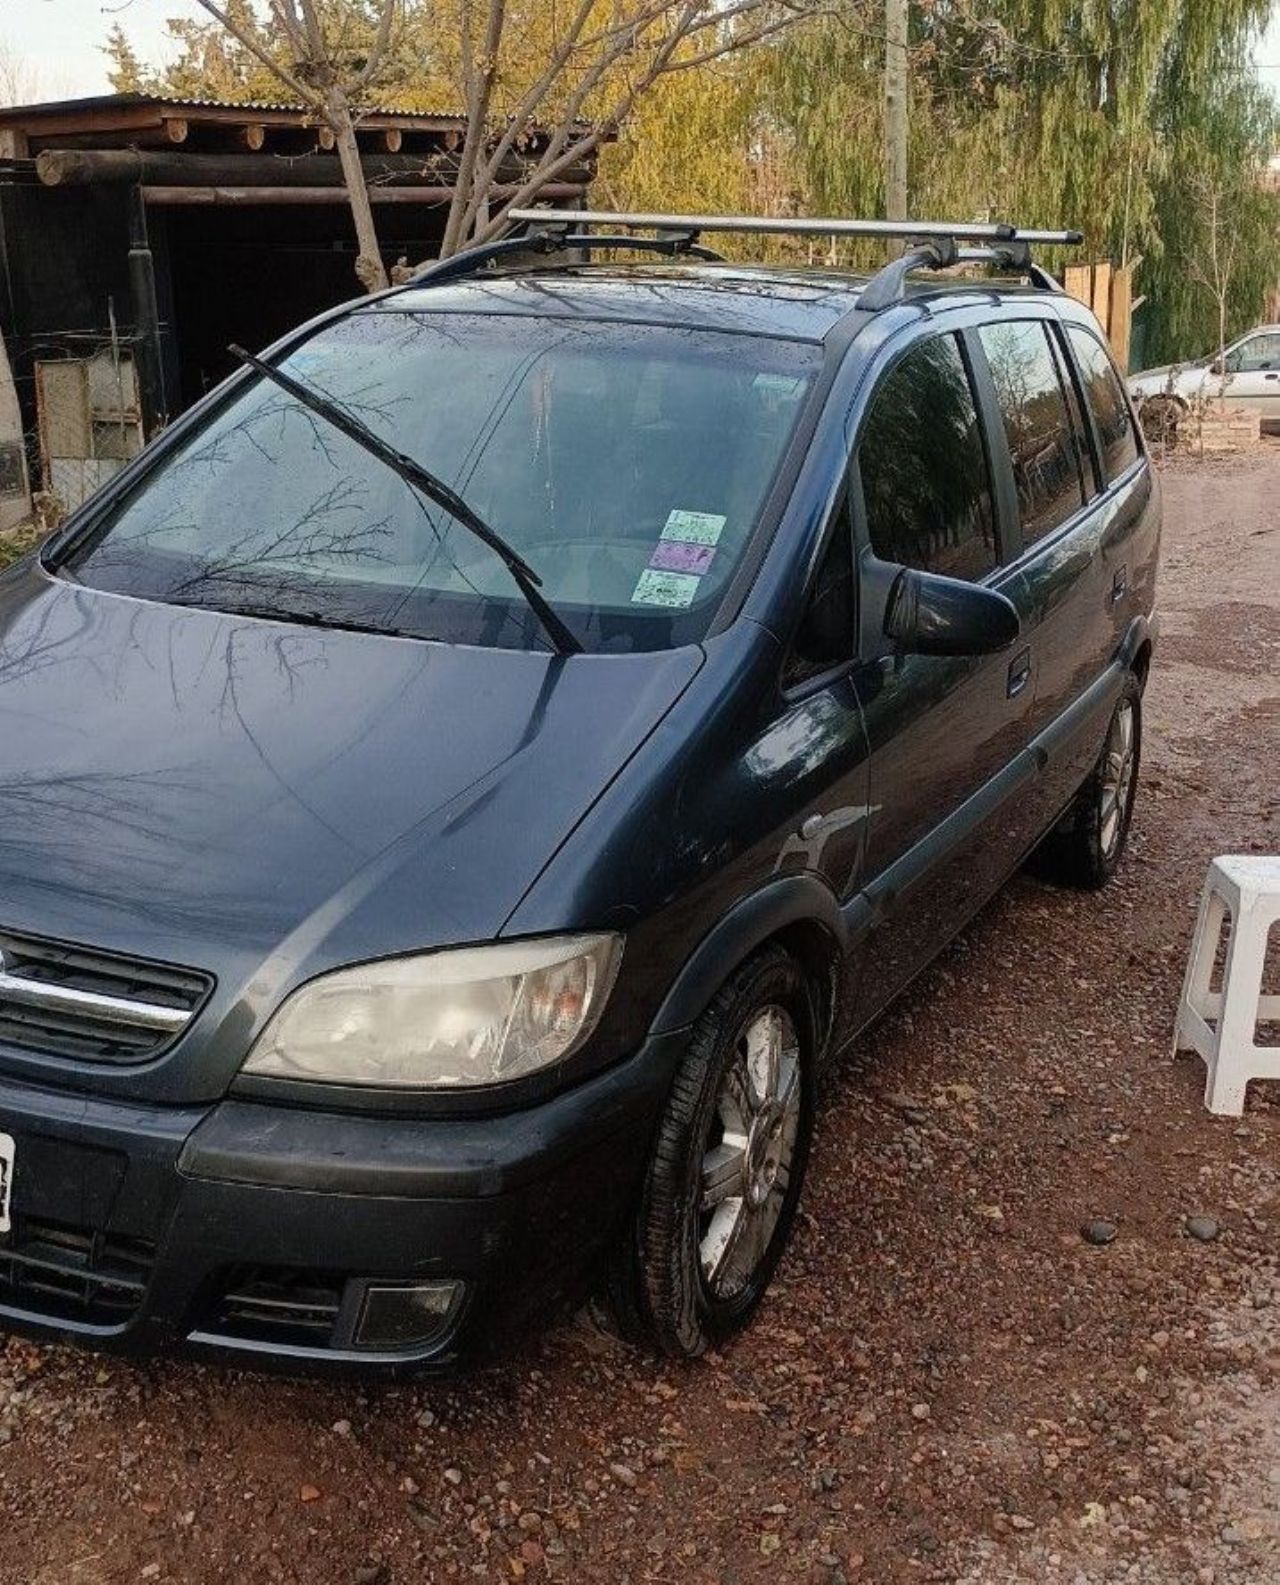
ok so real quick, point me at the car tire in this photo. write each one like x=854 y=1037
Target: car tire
x=1085 y=848
x=727 y=1165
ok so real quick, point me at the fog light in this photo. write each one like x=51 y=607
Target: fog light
x=406 y=1314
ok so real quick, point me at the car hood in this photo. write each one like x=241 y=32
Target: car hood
x=1169 y=376
x=263 y=801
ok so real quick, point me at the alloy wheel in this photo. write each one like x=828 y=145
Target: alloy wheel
x=747 y=1163
x=1118 y=764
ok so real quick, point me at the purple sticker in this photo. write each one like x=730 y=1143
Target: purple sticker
x=673 y=555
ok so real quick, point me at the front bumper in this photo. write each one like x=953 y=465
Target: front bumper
x=253 y=1229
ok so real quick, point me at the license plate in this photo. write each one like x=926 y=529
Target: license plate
x=7 y=1150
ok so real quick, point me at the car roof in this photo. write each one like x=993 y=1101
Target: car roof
x=798 y=304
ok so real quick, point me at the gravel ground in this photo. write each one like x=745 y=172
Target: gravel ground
x=948 y=1382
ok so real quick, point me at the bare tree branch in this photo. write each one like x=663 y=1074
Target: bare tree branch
x=316 y=80
x=479 y=79
x=642 y=42
x=259 y=51
x=381 y=45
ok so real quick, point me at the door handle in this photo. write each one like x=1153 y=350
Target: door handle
x=1019 y=673
x=1271 y=376
x=1119 y=585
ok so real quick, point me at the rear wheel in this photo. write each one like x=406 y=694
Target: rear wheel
x=727 y=1166
x=1085 y=848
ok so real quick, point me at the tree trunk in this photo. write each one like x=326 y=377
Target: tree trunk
x=370 y=270
x=895 y=110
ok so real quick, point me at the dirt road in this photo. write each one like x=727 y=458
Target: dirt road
x=949 y=1383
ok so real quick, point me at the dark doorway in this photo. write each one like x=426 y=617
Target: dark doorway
x=250 y=273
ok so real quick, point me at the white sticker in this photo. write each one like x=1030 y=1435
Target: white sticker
x=665 y=588
x=8 y=1149
x=694 y=528
x=788 y=385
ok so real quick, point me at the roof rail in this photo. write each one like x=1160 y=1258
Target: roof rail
x=913 y=230
x=554 y=238
x=562 y=230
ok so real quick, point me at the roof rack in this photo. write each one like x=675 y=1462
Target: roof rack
x=937 y=243
x=914 y=230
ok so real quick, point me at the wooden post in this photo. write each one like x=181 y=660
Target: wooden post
x=1101 y=304
x=1077 y=282
x=1121 y=319
x=146 y=318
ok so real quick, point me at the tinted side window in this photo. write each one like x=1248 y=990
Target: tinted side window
x=1036 y=422
x=925 y=482
x=825 y=636
x=1105 y=397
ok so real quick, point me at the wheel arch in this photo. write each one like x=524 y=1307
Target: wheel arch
x=799 y=913
x=1136 y=647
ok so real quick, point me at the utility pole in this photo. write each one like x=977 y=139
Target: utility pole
x=895 y=109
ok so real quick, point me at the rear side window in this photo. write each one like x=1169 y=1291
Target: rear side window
x=1036 y=423
x=925 y=482
x=1106 y=398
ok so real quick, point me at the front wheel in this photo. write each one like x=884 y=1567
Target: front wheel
x=727 y=1166
x=1085 y=848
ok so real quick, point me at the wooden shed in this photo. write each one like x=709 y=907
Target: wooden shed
x=139 y=235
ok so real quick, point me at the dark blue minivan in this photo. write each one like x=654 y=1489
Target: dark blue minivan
x=460 y=783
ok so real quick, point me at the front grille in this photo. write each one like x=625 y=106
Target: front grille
x=73 y=1274
x=70 y=1002
x=275 y=1304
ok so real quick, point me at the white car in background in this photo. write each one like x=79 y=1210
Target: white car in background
x=1247 y=375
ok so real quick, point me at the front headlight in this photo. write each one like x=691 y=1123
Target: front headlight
x=478 y=1015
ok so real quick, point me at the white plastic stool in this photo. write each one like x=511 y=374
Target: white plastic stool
x=1246 y=886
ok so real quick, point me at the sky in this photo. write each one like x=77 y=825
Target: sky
x=61 y=38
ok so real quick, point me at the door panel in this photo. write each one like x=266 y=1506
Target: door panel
x=1064 y=524
x=947 y=795
x=945 y=734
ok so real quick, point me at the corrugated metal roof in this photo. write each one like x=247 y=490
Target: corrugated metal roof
x=100 y=103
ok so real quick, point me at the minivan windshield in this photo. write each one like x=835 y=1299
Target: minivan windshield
x=626 y=464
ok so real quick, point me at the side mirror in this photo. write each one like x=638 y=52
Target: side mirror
x=930 y=615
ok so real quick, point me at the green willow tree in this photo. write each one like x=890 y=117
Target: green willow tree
x=1050 y=112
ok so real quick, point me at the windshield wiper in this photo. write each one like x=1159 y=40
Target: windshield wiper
x=430 y=485
x=296 y=618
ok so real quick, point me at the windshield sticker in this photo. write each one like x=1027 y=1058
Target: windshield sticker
x=786 y=385
x=676 y=589
x=673 y=555
x=695 y=528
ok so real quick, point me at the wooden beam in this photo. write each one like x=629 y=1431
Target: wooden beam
x=186 y=197
x=176 y=129
x=325 y=138
x=178 y=168
x=130 y=118
x=392 y=139
x=254 y=135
